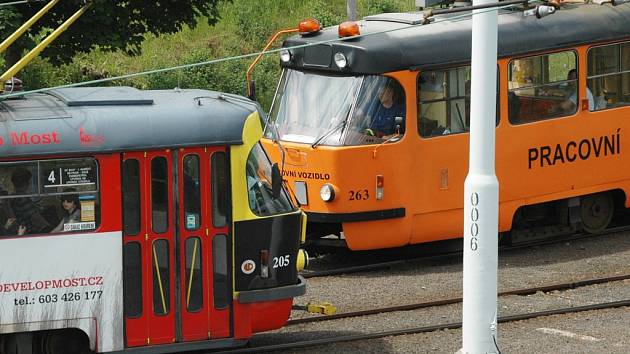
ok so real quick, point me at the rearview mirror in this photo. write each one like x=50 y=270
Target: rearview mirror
x=276 y=181
x=398 y=122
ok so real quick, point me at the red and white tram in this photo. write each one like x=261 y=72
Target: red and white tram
x=142 y=221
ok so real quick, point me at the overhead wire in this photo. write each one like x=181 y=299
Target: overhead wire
x=2 y=4
x=454 y=18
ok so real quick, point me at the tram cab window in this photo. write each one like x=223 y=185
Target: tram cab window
x=542 y=87
x=608 y=75
x=379 y=114
x=48 y=196
x=259 y=186
x=337 y=110
x=444 y=102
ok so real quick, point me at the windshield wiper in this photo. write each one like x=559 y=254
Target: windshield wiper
x=328 y=133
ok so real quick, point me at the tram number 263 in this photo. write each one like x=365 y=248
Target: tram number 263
x=361 y=194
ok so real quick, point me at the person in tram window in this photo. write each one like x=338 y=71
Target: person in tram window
x=570 y=105
x=71 y=211
x=9 y=226
x=23 y=209
x=389 y=106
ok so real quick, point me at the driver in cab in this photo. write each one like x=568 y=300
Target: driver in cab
x=388 y=107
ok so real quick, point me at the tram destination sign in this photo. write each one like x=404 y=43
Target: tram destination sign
x=82 y=177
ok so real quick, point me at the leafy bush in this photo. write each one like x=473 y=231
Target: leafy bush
x=371 y=7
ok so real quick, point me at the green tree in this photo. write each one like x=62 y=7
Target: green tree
x=109 y=25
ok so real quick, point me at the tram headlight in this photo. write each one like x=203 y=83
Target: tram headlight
x=340 y=60
x=327 y=193
x=285 y=56
x=540 y=11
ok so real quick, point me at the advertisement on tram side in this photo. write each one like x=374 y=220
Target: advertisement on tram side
x=64 y=281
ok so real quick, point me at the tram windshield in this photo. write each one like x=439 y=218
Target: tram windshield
x=259 y=186
x=337 y=110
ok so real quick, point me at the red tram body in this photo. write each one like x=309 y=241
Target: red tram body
x=182 y=242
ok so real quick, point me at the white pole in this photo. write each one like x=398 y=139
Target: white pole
x=351 y=7
x=481 y=192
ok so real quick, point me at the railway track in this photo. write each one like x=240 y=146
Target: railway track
x=409 y=307
x=452 y=325
x=424 y=329
x=447 y=255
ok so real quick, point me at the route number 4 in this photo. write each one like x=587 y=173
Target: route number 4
x=51 y=177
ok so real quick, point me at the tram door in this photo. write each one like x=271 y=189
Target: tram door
x=203 y=243
x=169 y=242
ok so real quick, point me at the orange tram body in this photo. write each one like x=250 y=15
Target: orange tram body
x=563 y=115
x=141 y=221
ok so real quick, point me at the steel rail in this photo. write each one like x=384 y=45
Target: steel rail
x=409 y=307
x=425 y=329
x=445 y=255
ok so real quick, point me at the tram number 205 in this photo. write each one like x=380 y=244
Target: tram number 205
x=282 y=261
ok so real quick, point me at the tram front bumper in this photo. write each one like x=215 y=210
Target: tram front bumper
x=272 y=294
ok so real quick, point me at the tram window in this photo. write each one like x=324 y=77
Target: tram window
x=159 y=194
x=132 y=279
x=219 y=190
x=444 y=102
x=608 y=75
x=220 y=267
x=542 y=87
x=192 y=200
x=379 y=114
x=258 y=174
x=131 y=197
x=161 y=278
x=194 y=279
x=49 y=196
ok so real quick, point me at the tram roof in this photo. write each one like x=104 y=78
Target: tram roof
x=108 y=119
x=447 y=41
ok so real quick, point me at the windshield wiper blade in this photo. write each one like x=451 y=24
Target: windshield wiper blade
x=328 y=133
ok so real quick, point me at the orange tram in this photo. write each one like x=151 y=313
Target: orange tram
x=141 y=221
x=375 y=129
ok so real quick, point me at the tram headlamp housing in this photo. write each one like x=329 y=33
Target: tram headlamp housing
x=285 y=56
x=340 y=60
x=327 y=192
x=540 y=11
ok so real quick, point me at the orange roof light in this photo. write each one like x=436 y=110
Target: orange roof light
x=309 y=26
x=349 y=29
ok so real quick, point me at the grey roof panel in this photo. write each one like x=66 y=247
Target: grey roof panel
x=448 y=40
x=96 y=96
x=175 y=119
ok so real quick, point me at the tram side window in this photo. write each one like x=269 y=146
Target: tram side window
x=444 y=102
x=161 y=278
x=159 y=194
x=219 y=190
x=132 y=278
x=194 y=275
x=608 y=75
x=192 y=199
x=131 y=196
x=542 y=87
x=49 y=196
x=220 y=267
